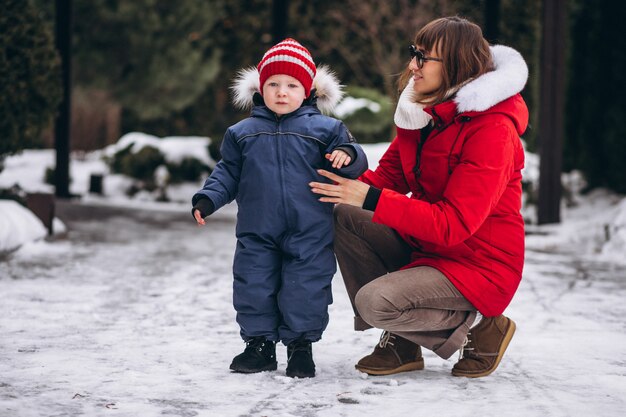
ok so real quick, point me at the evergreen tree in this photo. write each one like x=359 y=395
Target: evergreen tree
x=155 y=56
x=595 y=139
x=30 y=81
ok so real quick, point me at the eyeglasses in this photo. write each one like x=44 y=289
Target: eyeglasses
x=420 y=58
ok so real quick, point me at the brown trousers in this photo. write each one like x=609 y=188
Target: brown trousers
x=419 y=304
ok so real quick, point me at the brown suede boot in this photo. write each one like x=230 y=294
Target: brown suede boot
x=393 y=354
x=484 y=347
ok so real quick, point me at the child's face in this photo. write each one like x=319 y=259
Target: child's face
x=283 y=94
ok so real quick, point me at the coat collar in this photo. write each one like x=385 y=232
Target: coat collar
x=506 y=80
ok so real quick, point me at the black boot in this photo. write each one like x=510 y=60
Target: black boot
x=259 y=356
x=300 y=359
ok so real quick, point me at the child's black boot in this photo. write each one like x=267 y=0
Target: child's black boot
x=259 y=356
x=300 y=359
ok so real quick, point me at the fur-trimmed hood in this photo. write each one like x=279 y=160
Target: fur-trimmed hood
x=328 y=91
x=506 y=80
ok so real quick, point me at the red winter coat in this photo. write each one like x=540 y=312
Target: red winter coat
x=463 y=216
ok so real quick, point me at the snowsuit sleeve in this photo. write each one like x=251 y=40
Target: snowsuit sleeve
x=474 y=188
x=222 y=185
x=342 y=138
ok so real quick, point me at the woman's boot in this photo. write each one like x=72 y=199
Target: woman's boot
x=484 y=347
x=393 y=354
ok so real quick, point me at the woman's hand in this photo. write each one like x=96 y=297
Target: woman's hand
x=344 y=190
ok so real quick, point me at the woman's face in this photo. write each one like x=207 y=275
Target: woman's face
x=428 y=78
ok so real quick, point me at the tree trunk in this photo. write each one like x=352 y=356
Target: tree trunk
x=63 y=40
x=551 y=111
x=280 y=17
x=492 y=20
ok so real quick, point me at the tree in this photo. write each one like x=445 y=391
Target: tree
x=30 y=85
x=366 y=40
x=155 y=57
x=551 y=111
x=595 y=139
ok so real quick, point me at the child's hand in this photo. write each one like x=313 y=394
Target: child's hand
x=198 y=217
x=339 y=158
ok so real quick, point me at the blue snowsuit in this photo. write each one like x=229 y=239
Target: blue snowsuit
x=284 y=261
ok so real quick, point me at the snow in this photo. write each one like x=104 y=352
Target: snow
x=130 y=314
x=174 y=148
x=350 y=105
x=18 y=225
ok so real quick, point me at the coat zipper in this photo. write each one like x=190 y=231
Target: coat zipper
x=281 y=176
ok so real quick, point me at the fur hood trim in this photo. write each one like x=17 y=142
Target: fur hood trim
x=326 y=84
x=507 y=79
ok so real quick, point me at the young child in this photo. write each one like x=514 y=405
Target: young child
x=284 y=261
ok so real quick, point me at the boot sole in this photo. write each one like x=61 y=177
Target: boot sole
x=270 y=367
x=299 y=374
x=411 y=366
x=505 y=343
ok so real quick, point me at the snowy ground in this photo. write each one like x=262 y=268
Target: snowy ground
x=130 y=315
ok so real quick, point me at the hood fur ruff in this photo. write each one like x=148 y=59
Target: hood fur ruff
x=508 y=78
x=328 y=90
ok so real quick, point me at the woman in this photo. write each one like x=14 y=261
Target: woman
x=434 y=235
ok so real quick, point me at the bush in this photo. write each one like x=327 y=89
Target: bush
x=139 y=165
x=595 y=126
x=368 y=126
x=189 y=169
x=30 y=76
x=142 y=165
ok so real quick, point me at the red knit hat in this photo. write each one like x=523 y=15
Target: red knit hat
x=290 y=58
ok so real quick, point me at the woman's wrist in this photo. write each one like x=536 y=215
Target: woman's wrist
x=371 y=199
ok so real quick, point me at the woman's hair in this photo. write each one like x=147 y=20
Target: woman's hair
x=461 y=46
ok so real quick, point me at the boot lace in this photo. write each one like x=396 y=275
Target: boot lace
x=465 y=347
x=386 y=338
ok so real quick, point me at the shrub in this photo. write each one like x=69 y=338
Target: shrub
x=189 y=169
x=30 y=76
x=139 y=165
x=366 y=125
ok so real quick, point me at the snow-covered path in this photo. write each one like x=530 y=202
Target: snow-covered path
x=131 y=315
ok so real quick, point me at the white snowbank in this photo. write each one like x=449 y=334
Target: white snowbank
x=18 y=226
x=350 y=105
x=174 y=148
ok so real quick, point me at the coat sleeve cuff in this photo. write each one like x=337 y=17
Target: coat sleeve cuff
x=371 y=199
x=205 y=205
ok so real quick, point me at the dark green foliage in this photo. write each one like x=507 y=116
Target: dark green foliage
x=595 y=139
x=242 y=32
x=189 y=169
x=368 y=126
x=30 y=82
x=156 y=57
x=139 y=165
